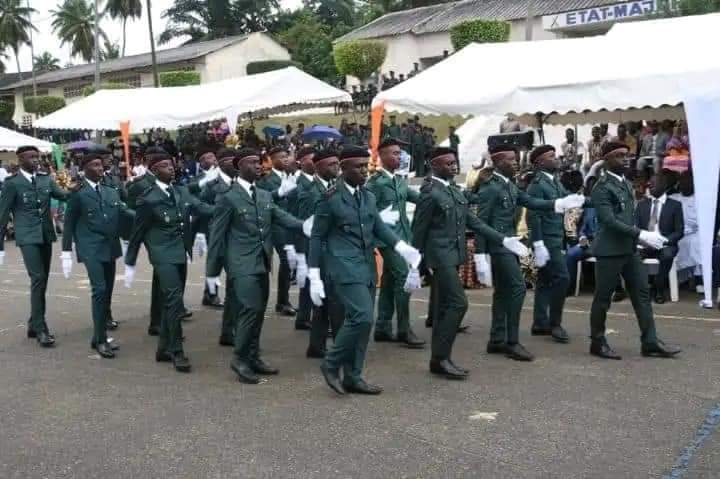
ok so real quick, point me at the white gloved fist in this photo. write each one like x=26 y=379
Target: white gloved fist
x=210 y=175
x=66 y=258
x=652 y=239
x=413 y=281
x=542 y=255
x=317 y=288
x=390 y=217
x=201 y=244
x=409 y=254
x=2 y=258
x=482 y=269
x=514 y=244
x=129 y=275
x=301 y=273
x=308 y=226
x=124 y=246
x=569 y=202
x=213 y=283
x=291 y=256
x=288 y=184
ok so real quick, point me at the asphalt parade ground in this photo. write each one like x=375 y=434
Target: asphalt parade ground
x=66 y=413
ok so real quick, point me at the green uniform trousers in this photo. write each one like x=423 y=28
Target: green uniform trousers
x=155 y=303
x=328 y=316
x=230 y=310
x=607 y=273
x=508 y=297
x=171 y=285
x=551 y=290
x=305 y=305
x=348 y=351
x=451 y=306
x=393 y=297
x=102 y=280
x=37 y=263
x=251 y=292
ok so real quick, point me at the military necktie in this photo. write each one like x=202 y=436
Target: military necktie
x=357 y=197
x=97 y=192
x=654 y=215
x=252 y=193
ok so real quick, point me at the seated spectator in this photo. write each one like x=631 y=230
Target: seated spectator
x=626 y=139
x=664 y=215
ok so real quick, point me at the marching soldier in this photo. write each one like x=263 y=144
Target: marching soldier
x=110 y=178
x=498 y=200
x=27 y=197
x=162 y=223
x=391 y=194
x=240 y=239
x=92 y=222
x=348 y=222
x=615 y=247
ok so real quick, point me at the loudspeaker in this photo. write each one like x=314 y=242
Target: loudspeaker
x=523 y=140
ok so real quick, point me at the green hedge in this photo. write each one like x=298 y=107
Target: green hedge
x=179 y=78
x=359 y=58
x=43 y=105
x=479 y=31
x=270 y=65
x=7 y=110
x=90 y=89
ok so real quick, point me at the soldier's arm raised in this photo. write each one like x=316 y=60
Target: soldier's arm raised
x=605 y=214
x=285 y=219
x=141 y=225
x=422 y=219
x=321 y=226
x=57 y=192
x=533 y=217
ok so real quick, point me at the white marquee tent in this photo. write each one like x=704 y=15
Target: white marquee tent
x=674 y=68
x=11 y=140
x=272 y=92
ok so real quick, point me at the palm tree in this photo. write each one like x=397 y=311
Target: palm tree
x=124 y=9
x=111 y=51
x=46 y=63
x=74 y=23
x=15 y=27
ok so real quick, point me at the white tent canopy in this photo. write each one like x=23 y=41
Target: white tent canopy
x=272 y=92
x=11 y=140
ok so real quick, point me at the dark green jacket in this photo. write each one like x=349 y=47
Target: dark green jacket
x=240 y=232
x=271 y=182
x=209 y=195
x=393 y=191
x=307 y=201
x=440 y=222
x=546 y=226
x=394 y=131
x=116 y=183
x=30 y=207
x=137 y=187
x=498 y=202
x=614 y=203
x=350 y=232
x=163 y=224
x=298 y=239
x=92 y=221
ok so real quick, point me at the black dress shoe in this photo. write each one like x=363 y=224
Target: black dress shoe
x=495 y=348
x=45 y=340
x=410 y=340
x=619 y=295
x=285 y=310
x=361 y=387
x=227 y=341
x=659 y=350
x=603 y=350
x=105 y=350
x=660 y=297
x=428 y=322
x=518 y=352
x=315 y=353
x=332 y=378
x=244 y=372
x=162 y=357
x=152 y=331
x=181 y=363
x=261 y=367
x=540 y=331
x=384 y=338
x=212 y=301
x=186 y=315
x=560 y=335
x=302 y=325
x=111 y=324
x=462 y=370
x=112 y=345
x=443 y=367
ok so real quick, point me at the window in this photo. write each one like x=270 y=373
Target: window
x=27 y=121
x=133 y=81
x=73 y=91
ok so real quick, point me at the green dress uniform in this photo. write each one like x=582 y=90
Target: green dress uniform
x=27 y=198
x=163 y=224
x=394 y=131
x=419 y=152
x=241 y=241
x=280 y=236
x=498 y=200
x=392 y=190
x=92 y=222
x=548 y=227
x=346 y=229
x=438 y=231
x=304 y=182
x=615 y=247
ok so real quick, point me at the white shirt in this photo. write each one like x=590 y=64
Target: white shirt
x=246 y=185
x=661 y=203
x=28 y=176
x=3 y=174
x=621 y=179
x=163 y=186
x=325 y=184
x=351 y=189
x=308 y=177
x=281 y=174
x=444 y=182
x=506 y=180
x=92 y=183
x=549 y=175
x=225 y=178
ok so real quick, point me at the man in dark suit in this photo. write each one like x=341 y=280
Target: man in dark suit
x=664 y=215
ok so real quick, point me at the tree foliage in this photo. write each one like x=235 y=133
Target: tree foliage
x=479 y=31
x=7 y=110
x=269 y=65
x=311 y=47
x=74 y=24
x=43 y=105
x=90 y=89
x=15 y=26
x=124 y=10
x=179 y=78
x=46 y=62
x=359 y=58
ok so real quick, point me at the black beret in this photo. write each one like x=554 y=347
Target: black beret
x=276 y=149
x=204 y=150
x=157 y=151
x=352 y=151
x=243 y=153
x=305 y=151
x=612 y=146
x=90 y=155
x=442 y=150
x=225 y=153
x=99 y=150
x=390 y=142
x=26 y=148
x=502 y=148
x=540 y=150
x=326 y=153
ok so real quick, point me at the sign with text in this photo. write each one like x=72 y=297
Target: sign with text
x=608 y=13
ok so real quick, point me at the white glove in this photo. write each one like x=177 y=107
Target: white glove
x=542 y=255
x=129 y=275
x=317 y=288
x=288 y=184
x=308 y=226
x=482 y=269
x=201 y=244
x=210 y=175
x=390 y=217
x=301 y=273
x=514 y=244
x=124 y=245
x=569 y=202
x=412 y=282
x=213 y=283
x=66 y=257
x=291 y=256
x=409 y=254
x=2 y=258
x=652 y=239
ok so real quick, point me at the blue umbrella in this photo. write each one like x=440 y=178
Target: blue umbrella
x=321 y=133
x=273 y=131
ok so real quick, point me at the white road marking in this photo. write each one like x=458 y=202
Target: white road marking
x=487 y=416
